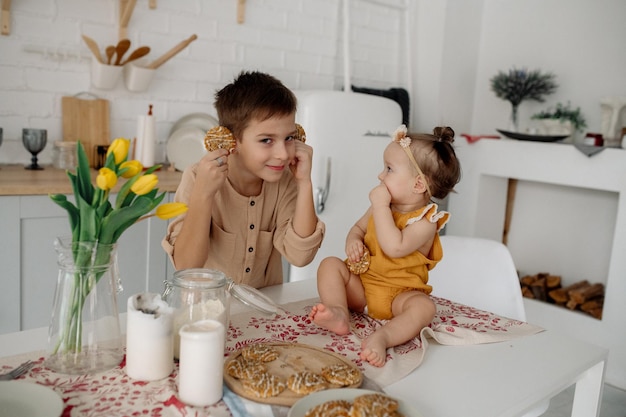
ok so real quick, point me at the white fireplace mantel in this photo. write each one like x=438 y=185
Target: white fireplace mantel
x=478 y=209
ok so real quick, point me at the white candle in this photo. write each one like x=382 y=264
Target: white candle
x=149 y=337
x=201 y=362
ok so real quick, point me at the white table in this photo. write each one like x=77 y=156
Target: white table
x=498 y=379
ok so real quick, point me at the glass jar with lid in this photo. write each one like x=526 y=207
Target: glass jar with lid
x=199 y=294
x=64 y=155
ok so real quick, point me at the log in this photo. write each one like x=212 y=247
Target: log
x=526 y=292
x=592 y=304
x=560 y=296
x=580 y=295
x=553 y=282
x=538 y=288
x=527 y=280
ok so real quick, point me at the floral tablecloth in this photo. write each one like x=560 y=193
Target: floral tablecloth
x=112 y=393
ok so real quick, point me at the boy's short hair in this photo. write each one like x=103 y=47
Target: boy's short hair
x=252 y=95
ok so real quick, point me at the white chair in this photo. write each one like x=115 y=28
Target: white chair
x=480 y=273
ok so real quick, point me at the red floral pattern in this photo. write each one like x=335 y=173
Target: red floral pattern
x=113 y=393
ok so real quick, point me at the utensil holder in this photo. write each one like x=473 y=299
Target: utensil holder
x=105 y=76
x=137 y=77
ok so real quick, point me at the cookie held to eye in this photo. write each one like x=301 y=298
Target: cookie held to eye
x=300 y=133
x=219 y=137
x=362 y=265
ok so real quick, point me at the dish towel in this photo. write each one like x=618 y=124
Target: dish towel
x=454 y=324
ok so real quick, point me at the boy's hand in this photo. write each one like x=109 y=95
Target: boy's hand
x=212 y=171
x=379 y=196
x=301 y=164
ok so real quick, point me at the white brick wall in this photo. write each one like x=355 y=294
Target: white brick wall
x=298 y=41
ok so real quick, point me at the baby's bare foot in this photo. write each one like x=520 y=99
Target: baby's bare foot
x=374 y=350
x=330 y=318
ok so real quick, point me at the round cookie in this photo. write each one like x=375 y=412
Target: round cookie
x=373 y=405
x=334 y=408
x=242 y=368
x=306 y=382
x=219 y=137
x=300 y=133
x=341 y=374
x=362 y=265
x=260 y=352
x=264 y=385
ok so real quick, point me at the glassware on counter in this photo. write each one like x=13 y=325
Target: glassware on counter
x=64 y=155
x=199 y=294
x=34 y=141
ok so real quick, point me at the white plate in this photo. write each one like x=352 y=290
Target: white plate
x=202 y=121
x=25 y=399
x=185 y=147
x=300 y=408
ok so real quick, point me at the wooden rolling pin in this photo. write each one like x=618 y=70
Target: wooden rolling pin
x=169 y=54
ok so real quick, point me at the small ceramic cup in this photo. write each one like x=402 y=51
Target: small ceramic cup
x=105 y=76
x=137 y=77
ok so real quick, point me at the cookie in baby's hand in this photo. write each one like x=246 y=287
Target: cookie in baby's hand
x=361 y=265
x=219 y=137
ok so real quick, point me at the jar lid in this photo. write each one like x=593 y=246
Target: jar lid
x=65 y=144
x=199 y=278
x=203 y=278
x=254 y=298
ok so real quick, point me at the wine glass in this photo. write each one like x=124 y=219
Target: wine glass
x=34 y=141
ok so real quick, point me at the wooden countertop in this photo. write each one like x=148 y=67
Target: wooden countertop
x=15 y=180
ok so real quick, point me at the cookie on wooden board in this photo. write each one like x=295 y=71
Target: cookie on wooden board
x=306 y=382
x=264 y=385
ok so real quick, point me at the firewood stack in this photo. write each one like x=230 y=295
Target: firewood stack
x=582 y=296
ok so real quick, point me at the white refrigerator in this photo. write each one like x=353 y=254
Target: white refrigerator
x=348 y=132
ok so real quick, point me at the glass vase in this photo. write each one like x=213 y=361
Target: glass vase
x=84 y=334
x=513 y=122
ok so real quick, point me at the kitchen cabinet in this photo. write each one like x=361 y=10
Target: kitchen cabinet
x=29 y=225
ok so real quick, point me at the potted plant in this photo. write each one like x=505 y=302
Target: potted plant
x=518 y=85
x=562 y=119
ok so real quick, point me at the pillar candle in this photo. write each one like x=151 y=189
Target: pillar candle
x=149 y=337
x=149 y=141
x=201 y=362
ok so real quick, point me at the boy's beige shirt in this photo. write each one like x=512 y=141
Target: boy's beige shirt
x=249 y=234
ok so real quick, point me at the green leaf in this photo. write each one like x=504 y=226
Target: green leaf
x=122 y=197
x=72 y=210
x=152 y=169
x=83 y=174
x=120 y=219
x=88 y=223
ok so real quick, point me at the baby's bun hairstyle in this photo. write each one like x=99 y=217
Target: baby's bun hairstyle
x=436 y=157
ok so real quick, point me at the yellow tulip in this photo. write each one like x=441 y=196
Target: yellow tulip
x=144 y=184
x=169 y=210
x=134 y=168
x=119 y=147
x=106 y=179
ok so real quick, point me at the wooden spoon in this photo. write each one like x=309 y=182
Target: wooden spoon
x=169 y=54
x=137 y=53
x=110 y=51
x=120 y=50
x=93 y=47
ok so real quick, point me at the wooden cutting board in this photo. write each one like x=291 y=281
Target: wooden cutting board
x=86 y=120
x=293 y=357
